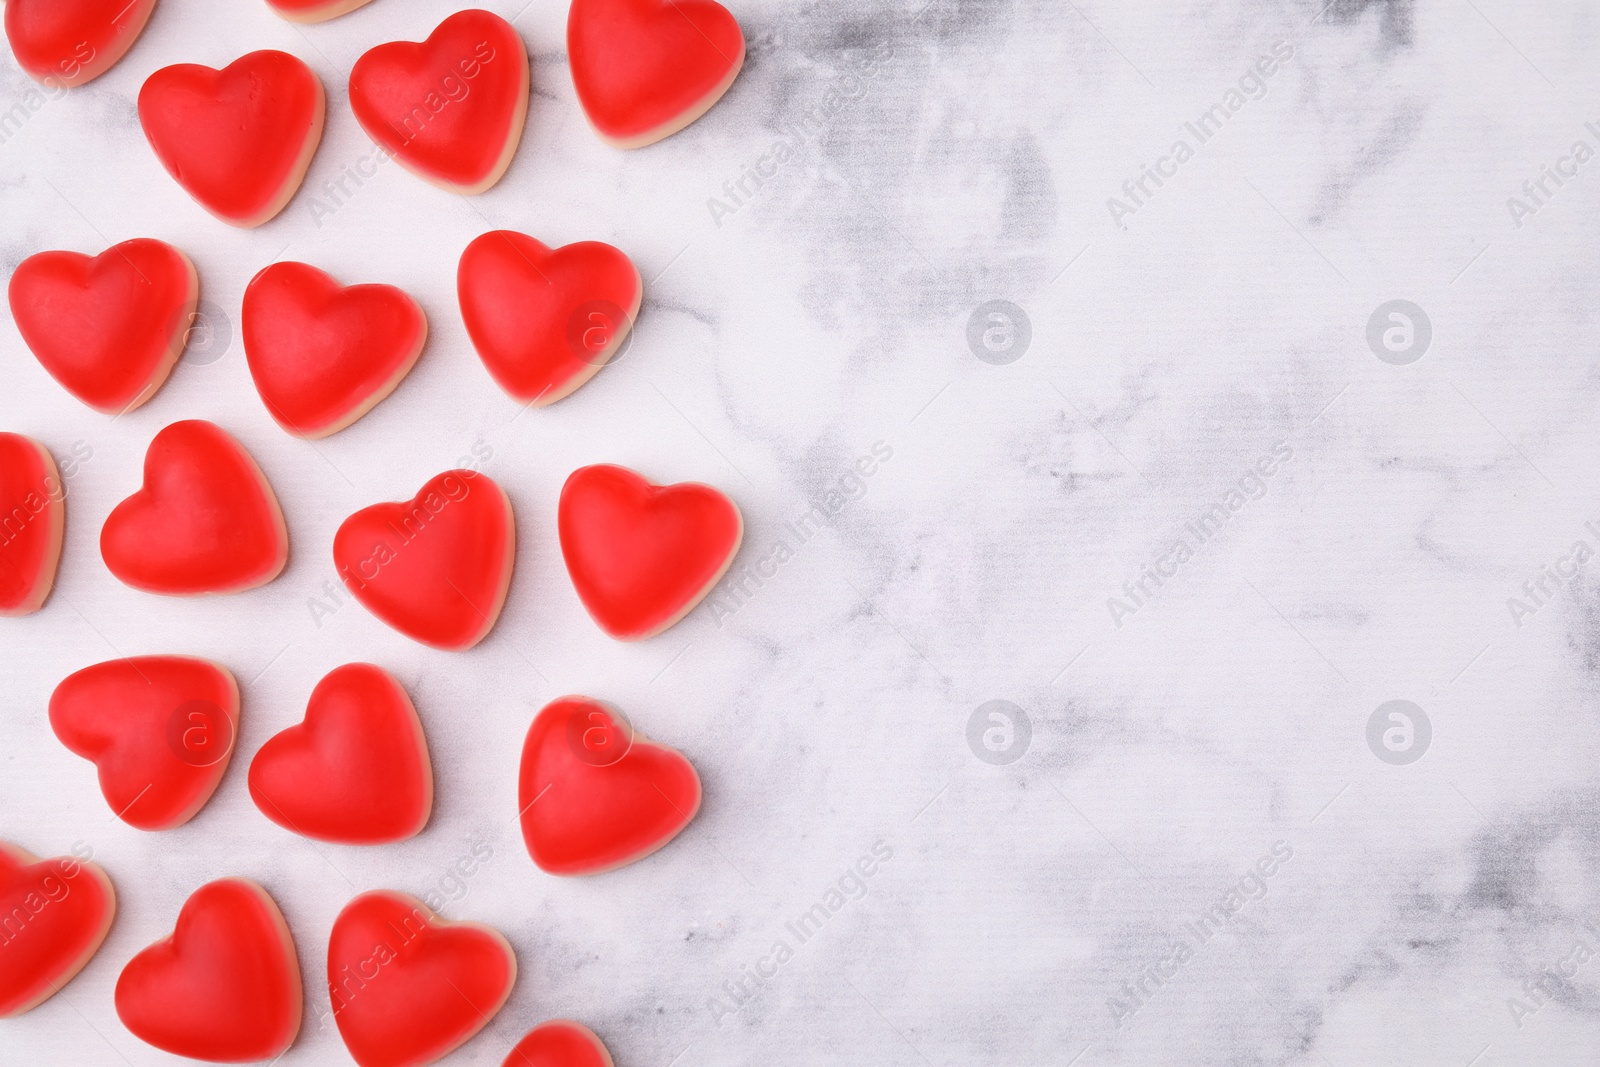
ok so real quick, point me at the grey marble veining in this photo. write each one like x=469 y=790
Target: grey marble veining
x=1181 y=839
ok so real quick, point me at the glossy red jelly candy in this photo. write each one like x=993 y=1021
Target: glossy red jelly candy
x=54 y=914
x=33 y=516
x=356 y=771
x=451 y=108
x=109 y=327
x=314 y=10
x=645 y=69
x=238 y=139
x=205 y=520
x=224 y=986
x=408 y=987
x=545 y=320
x=321 y=354
x=559 y=1043
x=594 y=795
x=641 y=556
x=160 y=731
x=70 y=42
x=436 y=567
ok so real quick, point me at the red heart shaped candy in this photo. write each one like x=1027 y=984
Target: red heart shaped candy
x=450 y=109
x=33 y=517
x=594 y=794
x=641 y=556
x=356 y=771
x=544 y=321
x=224 y=986
x=436 y=567
x=409 y=987
x=70 y=42
x=645 y=69
x=109 y=327
x=160 y=730
x=321 y=354
x=314 y=10
x=205 y=520
x=53 y=916
x=559 y=1043
x=238 y=139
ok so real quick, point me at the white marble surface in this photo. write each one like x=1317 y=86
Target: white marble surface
x=971 y=160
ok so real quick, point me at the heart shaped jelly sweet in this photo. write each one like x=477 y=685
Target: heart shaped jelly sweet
x=322 y=355
x=33 y=518
x=238 y=139
x=54 y=914
x=645 y=69
x=70 y=42
x=159 y=730
x=543 y=320
x=109 y=327
x=559 y=1043
x=205 y=520
x=451 y=108
x=223 y=986
x=409 y=987
x=314 y=10
x=436 y=567
x=595 y=795
x=641 y=556
x=356 y=771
